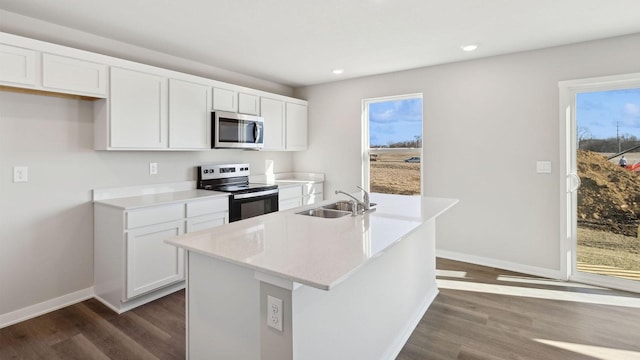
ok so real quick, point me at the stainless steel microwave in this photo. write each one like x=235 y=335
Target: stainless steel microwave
x=232 y=131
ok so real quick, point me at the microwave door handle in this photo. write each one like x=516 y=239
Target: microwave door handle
x=256 y=132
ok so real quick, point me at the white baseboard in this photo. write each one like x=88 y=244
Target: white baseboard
x=403 y=337
x=44 y=307
x=501 y=264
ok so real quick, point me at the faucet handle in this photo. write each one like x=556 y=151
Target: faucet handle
x=365 y=199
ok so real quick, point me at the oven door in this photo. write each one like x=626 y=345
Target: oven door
x=231 y=130
x=247 y=205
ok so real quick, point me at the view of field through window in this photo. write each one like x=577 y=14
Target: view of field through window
x=608 y=160
x=395 y=146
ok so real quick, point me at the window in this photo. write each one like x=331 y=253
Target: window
x=393 y=144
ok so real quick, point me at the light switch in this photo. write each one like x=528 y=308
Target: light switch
x=543 y=167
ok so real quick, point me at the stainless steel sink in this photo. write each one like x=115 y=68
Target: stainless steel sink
x=325 y=213
x=340 y=205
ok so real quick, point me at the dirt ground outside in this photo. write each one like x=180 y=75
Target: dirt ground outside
x=389 y=174
x=608 y=211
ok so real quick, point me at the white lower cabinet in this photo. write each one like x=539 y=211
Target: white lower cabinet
x=152 y=264
x=132 y=263
x=204 y=214
x=207 y=221
x=312 y=193
x=289 y=197
x=293 y=196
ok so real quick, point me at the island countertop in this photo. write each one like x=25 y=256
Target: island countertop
x=314 y=251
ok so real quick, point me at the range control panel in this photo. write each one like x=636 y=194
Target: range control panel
x=221 y=171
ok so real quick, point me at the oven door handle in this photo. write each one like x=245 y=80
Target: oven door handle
x=255 y=194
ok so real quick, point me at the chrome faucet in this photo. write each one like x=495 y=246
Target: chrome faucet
x=365 y=204
x=365 y=198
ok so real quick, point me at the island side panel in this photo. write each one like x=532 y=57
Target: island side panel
x=275 y=344
x=223 y=305
x=372 y=314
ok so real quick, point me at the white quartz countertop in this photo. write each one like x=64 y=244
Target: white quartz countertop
x=289 y=178
x=314 y=251
x=140 y=201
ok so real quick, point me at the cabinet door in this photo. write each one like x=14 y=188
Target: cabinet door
x=17 y=65
x=73 y=75
x=224 y=100
x=273 y=113
x=296 y=126
x=207 y=221
x=138 y=105
x=152 y=264
x=247 y=104
x=189 y=115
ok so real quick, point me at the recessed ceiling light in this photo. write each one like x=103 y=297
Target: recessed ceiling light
x=337 y=71
x=470 y=47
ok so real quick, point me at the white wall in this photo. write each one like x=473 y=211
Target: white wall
x=46 y=236
x=486 y=122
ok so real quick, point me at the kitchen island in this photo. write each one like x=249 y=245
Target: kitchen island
x=350 y=288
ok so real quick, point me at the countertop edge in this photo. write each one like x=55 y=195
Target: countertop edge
x=190 y=195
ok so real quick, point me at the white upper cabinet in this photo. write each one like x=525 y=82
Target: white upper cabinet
x=224 y=100
x=138 y=110
x=17 y=65
x=274 y=132
x=296 y=125
x=73 y=75
x=248 y=104
x=142 y=107
x=189 y=115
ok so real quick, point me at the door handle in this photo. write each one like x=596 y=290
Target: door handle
x=574 y=180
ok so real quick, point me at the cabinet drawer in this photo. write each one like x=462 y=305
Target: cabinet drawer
x=154 y=215
x=290 y=192
x=289 y=204
x=308 y=189
x=207 y=221
x=209 y=206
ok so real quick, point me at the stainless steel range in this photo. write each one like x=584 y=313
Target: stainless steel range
x=246 y=199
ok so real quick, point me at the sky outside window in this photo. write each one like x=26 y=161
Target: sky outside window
x=395 y=121
x=601 y=112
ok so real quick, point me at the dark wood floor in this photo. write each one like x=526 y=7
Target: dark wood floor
x=480 y=313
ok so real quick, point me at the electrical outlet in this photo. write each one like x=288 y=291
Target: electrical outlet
x=153 y=168
x=274 y=312
x=20 y=174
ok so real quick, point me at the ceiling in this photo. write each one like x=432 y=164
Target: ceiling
x=300 y=42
